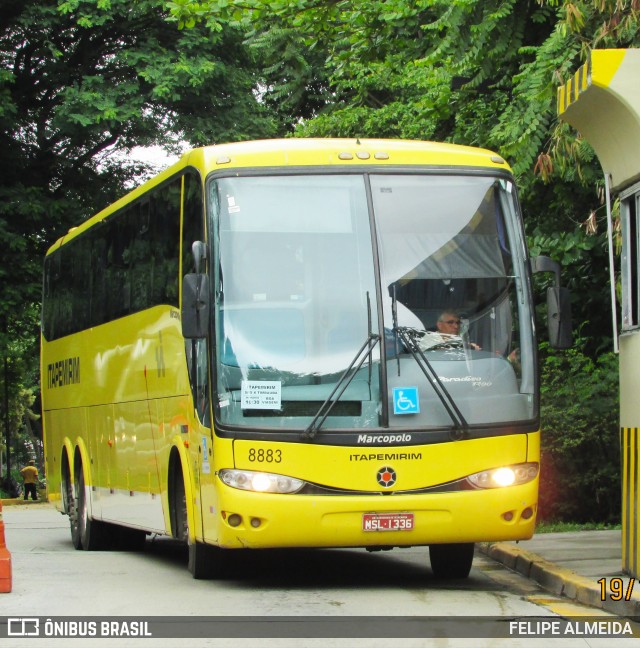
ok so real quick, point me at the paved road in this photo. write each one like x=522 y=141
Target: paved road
x=51 y=579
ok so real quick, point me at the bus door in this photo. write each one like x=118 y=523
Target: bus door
x=201 y=447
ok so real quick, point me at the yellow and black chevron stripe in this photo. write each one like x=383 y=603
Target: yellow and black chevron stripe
x=630 y=482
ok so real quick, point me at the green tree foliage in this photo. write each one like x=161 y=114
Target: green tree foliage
x=580 y=474
x=413 y=69
x=19 y=395
x=294 y=80
x=79 y=81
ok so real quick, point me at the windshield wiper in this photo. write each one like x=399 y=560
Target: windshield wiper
x=344 y=381
x=408 y=338
x=342 y=384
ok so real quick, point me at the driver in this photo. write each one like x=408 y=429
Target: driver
x=449 y=325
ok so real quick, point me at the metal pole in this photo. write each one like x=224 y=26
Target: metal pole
x=612 y=274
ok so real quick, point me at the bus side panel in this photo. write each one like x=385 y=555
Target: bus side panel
x=115 y=388
x=65 y=429
x=533 y=447
x=53 y=448
x=100 y=424
x=130 y=449
x=130 y=487
x=181 y=428
x=176 y=429
x=212 y=511
x=63 y=383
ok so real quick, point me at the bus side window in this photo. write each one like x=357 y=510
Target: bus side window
x=99 y=314
x=117 y=269
x=165 y=218
x=51 y=315
x=193 y=220
x=141 y=257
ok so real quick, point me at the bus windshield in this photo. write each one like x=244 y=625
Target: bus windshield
x=401 y=299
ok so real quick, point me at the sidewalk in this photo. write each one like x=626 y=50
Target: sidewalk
x=571 y=564
x=19 y=501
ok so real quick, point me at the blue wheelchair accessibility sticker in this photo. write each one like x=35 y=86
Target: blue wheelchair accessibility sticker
x=406 y=400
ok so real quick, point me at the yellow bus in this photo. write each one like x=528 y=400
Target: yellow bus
x=298 y=343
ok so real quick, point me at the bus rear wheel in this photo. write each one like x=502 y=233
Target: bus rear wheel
x=71 y=507
x=87 y=534
x=451 y=560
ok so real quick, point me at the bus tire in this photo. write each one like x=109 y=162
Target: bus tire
x=73 y=522
x=451 y=560
x=87 y=534
x=204 y=560
x=179 y=518
x=70 y=506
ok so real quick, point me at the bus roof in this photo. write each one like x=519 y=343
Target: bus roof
x=301 y=152
x=602 y=101
x=344 y=152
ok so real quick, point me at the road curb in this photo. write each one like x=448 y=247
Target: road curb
x=559 y=580
x=19 y=501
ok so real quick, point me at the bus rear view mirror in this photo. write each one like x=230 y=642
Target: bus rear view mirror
x=195 y=306
x=558 y=305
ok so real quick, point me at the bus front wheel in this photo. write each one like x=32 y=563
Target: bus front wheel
x=451 y=560
x=205 y=560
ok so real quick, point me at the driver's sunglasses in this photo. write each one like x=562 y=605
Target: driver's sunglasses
x=451 y=322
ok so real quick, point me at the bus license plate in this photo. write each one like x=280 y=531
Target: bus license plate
x=387 y=521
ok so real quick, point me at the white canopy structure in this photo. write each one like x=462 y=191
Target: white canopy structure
x=602 y=102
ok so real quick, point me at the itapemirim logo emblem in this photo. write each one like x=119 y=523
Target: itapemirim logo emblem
x=386 y=477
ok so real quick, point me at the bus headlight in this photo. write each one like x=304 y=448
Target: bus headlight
x=505 y=476
x=260 y=482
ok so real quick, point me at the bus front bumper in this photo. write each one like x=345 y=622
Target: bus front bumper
x=258 y=520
